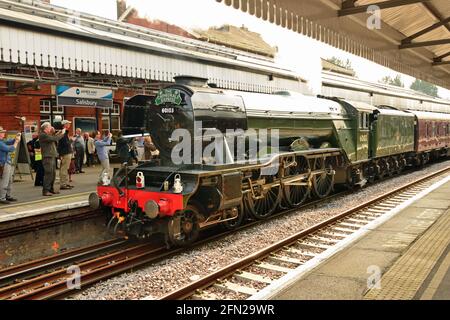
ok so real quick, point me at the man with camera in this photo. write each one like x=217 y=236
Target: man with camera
x=6 y=169
x=48 y=141
x=65 y=153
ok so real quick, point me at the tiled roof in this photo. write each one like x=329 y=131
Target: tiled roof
x=239 y=38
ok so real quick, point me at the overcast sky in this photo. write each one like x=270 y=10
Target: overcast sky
x=296 y=52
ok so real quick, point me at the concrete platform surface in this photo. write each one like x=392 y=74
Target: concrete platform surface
x=31 y=202
x=407 y=257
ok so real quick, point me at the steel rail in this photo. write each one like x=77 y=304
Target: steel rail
x=27 y=269
x=47 y=284
x=227 y=271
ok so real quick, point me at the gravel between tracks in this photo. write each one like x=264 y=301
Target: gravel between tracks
x=165 y=276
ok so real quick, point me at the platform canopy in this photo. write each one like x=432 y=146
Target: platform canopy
x=42 y=43
x=413 y=35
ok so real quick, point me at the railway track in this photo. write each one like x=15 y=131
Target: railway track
x=47 y=278
x=248 y=277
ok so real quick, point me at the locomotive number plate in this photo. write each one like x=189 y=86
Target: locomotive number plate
x=167 y=110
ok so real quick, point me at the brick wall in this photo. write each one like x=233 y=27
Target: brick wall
x=27 y=103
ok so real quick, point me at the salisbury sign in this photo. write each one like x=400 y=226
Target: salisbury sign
x=83 y=97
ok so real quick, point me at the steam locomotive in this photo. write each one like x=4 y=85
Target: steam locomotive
x=226 y=156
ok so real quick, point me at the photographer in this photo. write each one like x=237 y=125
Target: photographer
x=6 y=169
x=48 y=140
x=65 y=153
x=102 y=152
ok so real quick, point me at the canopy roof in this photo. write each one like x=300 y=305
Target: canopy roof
x=413 y=38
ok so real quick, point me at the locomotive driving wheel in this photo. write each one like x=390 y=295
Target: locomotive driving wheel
x=183 y=228
x=262 y=204
x=296 y=194
x=323 y=182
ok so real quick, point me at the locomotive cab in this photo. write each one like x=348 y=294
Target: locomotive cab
x=135 y=115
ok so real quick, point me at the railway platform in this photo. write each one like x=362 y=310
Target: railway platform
x=406 y=257
x=36 y=226
x=32 y=203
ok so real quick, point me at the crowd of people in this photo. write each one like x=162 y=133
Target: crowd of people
x=49 y=146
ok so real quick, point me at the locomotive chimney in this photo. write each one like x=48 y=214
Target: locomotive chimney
x=191 y=81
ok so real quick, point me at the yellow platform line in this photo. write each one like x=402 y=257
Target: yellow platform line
x=405 y=277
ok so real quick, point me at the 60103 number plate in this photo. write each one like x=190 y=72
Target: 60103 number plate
x=167 y=110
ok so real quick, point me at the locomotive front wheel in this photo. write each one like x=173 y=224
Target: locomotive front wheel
x=323 y=183
x=295 y=195
x=183 y=228
x=265 y=206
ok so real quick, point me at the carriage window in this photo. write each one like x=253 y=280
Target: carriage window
x=434 y=129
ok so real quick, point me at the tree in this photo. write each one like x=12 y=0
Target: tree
x=346 y=65
x=425 y=87
x=396 y=81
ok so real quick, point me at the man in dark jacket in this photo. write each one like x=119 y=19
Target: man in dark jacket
x=65 y=153
x=30 y=147
x=48 y=142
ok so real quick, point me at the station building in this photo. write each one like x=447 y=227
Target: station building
x=48 y=52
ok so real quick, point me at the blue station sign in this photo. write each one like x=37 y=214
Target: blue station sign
x=83 y=97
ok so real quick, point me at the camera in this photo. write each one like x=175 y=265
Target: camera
x=57 y=123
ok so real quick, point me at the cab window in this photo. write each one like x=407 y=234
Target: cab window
x=364 y=120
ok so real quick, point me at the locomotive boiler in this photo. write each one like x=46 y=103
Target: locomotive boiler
x=300 y=122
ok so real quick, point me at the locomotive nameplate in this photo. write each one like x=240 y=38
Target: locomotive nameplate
x=168 y=96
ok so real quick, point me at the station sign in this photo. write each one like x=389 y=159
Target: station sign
x=83 y=97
